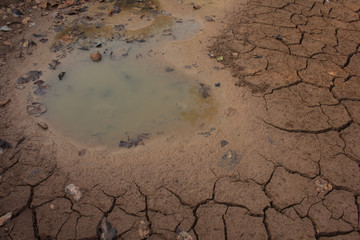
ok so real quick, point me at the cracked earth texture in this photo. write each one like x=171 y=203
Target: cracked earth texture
x=299 y=63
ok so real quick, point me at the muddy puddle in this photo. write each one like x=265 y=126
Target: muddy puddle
x=132 y=93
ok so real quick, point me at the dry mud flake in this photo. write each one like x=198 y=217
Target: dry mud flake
x=36 y=109
x=30 y=76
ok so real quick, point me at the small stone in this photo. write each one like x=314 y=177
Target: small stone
x=7 y=43
x=5 y=29
x=223 y=143
x=217 y=84
x=30 y=76
x=52 y=206
x=5 y=144
x=82 y=152
x=5 y=218
x=25 y=44
x=235 y=54
x=209 y=19
x=196 y=7
x=21 y=87
x=96 y=57
x=25 y=20
x=323 y=186
x=119 y=27
x=107 y=231
x=61 y=75
x=169 y=69
x=278 y=36
x=32 y=24
x=17 y=12
x=73 y=190
x=43 y=40
x=144 y=230
x=53 y=64
x=42 y=125
x=183 y=235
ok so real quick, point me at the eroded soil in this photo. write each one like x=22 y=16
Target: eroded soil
x=280 y=162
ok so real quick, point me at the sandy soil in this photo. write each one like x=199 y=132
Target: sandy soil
x=288 y=107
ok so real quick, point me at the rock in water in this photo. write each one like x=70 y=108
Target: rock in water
x=96 y=57
x=107 y=232
x=61 y=75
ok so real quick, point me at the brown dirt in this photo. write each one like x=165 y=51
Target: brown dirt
x=288 y=105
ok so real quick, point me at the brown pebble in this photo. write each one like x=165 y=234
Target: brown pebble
x=42 y=125
x=196 y=7
x=96 y=57
x=82 y=152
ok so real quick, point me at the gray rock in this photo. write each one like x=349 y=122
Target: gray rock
x=107 y=232
x=30 y=76
x=5 y=29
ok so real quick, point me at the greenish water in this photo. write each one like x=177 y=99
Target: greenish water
x=127 y=94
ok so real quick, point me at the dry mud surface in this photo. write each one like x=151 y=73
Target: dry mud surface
x=289 y=108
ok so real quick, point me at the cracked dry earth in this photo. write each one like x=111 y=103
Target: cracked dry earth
x=295 y=124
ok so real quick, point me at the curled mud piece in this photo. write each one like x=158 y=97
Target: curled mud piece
x=30 y=76
x=36 y=109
